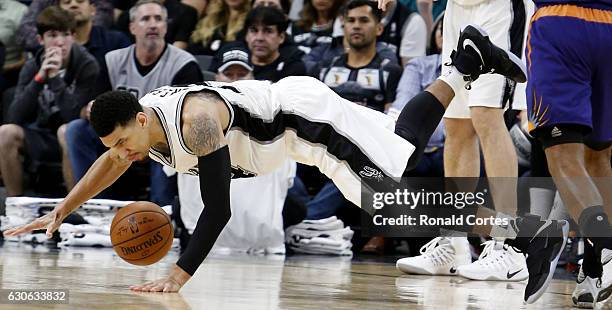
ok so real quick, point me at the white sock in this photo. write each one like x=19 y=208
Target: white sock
x=454 y=79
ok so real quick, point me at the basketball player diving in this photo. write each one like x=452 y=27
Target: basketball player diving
x=223 y=130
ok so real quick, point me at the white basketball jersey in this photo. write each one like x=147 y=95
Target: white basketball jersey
x=250 y=98
x=298 y=118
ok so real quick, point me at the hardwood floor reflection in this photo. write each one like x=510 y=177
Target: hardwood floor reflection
x=98 y=279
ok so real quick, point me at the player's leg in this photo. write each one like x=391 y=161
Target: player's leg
x=499 y=156
x=443 y=255
x=568 y=169
x=559 y=92
x=505 y=22
x=443 y=247
x=597 y=161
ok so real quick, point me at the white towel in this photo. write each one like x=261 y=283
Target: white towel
x=344 y=233
x=92 y=204
x=322 y=252
x=86 y=239
x=328 y=220
x=326 y=236
x=66 y=229
x=320 y=226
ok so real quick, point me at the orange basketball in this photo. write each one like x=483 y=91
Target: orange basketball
x=141 y=233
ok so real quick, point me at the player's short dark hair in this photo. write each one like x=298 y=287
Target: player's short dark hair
x=112 y=109
x=269 y=16
x=352 y=4
x=55 y=18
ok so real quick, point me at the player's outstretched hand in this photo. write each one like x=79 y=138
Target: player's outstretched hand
x=50 y=221
x=170 y=284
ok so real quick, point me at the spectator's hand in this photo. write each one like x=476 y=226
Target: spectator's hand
x=384 y=4
x=52 y=63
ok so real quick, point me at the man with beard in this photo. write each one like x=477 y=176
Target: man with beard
x=361 y=75
x=264 y=30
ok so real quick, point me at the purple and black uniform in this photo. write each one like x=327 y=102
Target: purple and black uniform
x=569 y=71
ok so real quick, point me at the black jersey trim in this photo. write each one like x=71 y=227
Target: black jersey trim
x=178 y=121
x=170 y=161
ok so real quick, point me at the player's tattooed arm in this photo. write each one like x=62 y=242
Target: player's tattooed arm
x=203 y=133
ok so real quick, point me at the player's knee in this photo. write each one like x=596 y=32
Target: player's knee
x=459 y=131
x=488 y=121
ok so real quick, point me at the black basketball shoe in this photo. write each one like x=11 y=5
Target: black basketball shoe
x=542 y=242
x=476 y=55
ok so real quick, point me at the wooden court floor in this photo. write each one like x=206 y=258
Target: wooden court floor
x=98 y=279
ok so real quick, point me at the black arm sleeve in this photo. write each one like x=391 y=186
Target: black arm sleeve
x=215 y=176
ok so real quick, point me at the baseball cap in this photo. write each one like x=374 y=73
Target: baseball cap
x=235 y=55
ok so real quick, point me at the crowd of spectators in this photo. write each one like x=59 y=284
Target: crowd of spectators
x=58 y=55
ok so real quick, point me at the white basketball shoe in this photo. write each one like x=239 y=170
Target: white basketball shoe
x=582 y=297
x=440 y=256
x=497 y=262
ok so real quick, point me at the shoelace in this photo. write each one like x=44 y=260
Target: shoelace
x=492 y=257
x=439 y=253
